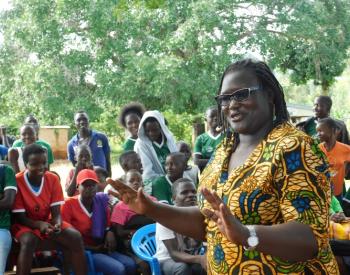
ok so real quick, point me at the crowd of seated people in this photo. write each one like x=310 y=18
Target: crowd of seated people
x=36 y=214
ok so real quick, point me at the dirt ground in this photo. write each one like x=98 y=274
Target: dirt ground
x=62 y=167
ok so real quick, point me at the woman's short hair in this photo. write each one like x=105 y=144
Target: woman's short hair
x=131 y=108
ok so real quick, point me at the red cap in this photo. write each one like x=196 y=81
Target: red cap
x=86 y=174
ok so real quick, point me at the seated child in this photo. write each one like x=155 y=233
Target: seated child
x=125 y=221
x=206 y=143
x=339 y=224
x=89 y=214
x=178 y=254
x=154 y=143
x=8 y=189
x=15 y=155
x=102 y=175
x=175 y=166
x=84 y=161
x=37 y=214
x=191 y=172
x=128 y=160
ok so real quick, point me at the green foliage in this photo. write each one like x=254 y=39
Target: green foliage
x=180 y=125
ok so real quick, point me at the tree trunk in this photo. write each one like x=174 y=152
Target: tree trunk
x=325 y=88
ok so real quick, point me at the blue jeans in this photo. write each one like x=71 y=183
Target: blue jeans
x=5 y=246
x=114 y=263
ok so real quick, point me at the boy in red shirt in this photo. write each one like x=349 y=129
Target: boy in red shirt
x=125 y=221
x=338 y=153
x=38 y=216
x=90 y=210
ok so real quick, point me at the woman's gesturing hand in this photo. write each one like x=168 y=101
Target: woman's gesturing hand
x=231 y=227
x=136 y=200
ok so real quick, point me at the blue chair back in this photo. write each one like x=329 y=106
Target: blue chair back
x=143 y=244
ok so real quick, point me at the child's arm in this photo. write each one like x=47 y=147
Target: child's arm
x=56 y=220
x=119 y=230
x=44 y=227
x=6 y=201
x=13 y=159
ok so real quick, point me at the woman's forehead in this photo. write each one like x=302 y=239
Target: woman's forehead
x=238 y=79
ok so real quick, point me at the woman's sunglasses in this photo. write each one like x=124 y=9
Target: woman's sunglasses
x=238 y=96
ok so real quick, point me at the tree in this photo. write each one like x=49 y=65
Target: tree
x=61 y=55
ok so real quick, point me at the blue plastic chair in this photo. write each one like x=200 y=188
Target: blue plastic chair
x=143 y=244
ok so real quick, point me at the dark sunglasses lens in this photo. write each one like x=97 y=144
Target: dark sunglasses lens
x=241 y=95
x=223 y=100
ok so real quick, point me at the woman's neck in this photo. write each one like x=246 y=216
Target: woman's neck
x=329 y=145
x=254 y=139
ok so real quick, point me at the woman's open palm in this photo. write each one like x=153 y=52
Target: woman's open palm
x=135 y=199
x=228 y=225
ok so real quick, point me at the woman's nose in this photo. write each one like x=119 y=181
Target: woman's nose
x=233 y=103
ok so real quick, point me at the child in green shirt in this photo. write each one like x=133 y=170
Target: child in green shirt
x=129 y=118
x=206 y=143
x=175 y=166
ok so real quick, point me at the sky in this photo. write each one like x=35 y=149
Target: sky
x=4 y=5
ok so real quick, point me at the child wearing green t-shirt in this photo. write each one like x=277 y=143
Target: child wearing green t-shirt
x=206 y=143
x=130 y=116
x=175 y=166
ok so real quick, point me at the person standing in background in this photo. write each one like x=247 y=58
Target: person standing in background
x=98 y=142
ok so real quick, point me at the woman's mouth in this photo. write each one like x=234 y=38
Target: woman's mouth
x=236 y=117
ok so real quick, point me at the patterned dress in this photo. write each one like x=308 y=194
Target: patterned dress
x=284 y=179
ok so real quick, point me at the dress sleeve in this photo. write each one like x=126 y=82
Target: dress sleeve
x=303 y=186
x=18 y=205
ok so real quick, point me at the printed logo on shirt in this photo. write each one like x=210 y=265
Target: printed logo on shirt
x=210 y=149
x=99 y=143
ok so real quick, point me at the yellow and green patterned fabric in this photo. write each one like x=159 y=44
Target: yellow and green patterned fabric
x=284 y=179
